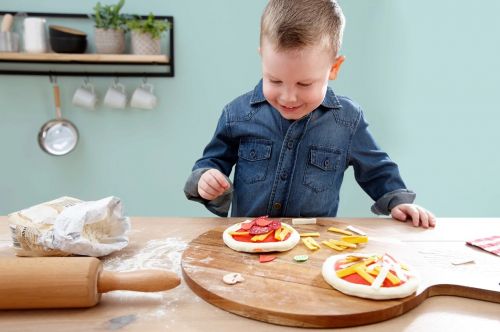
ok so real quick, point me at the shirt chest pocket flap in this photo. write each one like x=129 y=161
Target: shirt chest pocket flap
x=254 y=156
x=321 y=167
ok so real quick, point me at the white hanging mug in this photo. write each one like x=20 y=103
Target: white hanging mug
x=35 y=40
x=116 y=97
x=85 y=96
x=144 y=97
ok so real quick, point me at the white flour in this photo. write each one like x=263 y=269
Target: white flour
x=157 y=254
x=4 y=245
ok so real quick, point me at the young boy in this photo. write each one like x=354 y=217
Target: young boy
x=292 y=138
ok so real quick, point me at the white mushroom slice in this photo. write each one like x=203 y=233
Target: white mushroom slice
x=232 y=278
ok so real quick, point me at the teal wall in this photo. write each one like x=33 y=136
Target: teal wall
x=425 y=72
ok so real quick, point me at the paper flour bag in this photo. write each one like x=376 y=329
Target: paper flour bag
x=69 y=226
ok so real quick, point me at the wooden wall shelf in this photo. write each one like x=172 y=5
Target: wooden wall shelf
x=83 y=58
x=89 y=64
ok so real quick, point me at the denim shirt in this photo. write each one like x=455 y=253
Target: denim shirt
x=295 y=168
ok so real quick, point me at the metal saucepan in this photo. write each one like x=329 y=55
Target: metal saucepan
x=58 y=136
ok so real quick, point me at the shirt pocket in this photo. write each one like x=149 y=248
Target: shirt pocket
x=321 y=167
x=254 y=155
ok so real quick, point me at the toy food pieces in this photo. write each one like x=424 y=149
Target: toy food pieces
x=371 y=276
x=232 y=278
x=261 y=235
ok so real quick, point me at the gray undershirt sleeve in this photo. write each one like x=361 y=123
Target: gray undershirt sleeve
x=384 y=204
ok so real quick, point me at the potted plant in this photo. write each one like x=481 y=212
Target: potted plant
x=110 y=27
x=146 y=34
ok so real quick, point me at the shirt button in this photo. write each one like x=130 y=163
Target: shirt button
x=290 y=145
x=284 y=176
x=252 y=154
x=326 y=163
x=277 y=206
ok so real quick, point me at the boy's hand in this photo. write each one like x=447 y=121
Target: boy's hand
x=417 y=214
x=212 y=184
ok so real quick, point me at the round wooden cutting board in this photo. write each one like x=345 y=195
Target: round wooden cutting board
x=287 y=292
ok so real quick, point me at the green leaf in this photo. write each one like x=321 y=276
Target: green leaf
x=109 y=17
x=150 y=25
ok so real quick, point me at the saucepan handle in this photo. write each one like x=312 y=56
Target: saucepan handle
x=57 y=99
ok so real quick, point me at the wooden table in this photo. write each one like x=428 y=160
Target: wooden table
x=159 y=242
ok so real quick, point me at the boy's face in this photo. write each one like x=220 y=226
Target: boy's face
x=295 y=81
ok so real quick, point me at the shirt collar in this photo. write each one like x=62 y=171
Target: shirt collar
x=330 y=101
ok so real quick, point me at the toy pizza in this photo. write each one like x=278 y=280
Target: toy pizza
x=371 y=276
x=261 y=235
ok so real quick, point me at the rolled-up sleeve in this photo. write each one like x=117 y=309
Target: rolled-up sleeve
x=375 y=172
x=221 y=154
x=384 y=204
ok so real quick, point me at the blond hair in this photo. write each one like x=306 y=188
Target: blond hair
x=294 y=24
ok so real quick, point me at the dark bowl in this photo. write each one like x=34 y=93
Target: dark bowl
x=59 y=31
x=68 y=45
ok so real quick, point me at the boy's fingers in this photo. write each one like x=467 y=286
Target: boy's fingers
x=432 y=219
x=413 y=212
x=417 y=214
x=208 y=189
x=398 y=214
x=221 y=179
x=205 y=195
x=218 y=179
x=424 y=218
x=214 y=183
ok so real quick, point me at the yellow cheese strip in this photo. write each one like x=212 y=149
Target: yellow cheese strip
x=239 y=233
x=361 y=270
x=260 y=237
x=343 y=243
x=340 y=231
x=313 y=242
x=309 y=234
x=277 y=233
x=355 y=239
x=333 y=246
x=281 y=233
x=352 y=269
x=352 y=258
x=310 y=243
x=284 y=233
x=374 y=272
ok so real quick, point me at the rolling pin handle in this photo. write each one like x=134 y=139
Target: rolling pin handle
x=141 y=281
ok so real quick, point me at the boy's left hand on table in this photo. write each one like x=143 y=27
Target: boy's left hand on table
x=417 y=214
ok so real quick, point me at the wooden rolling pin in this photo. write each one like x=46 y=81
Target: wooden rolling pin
x=70 y=282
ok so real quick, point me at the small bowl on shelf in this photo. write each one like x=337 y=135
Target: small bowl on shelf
x=68 y=45
x=67 y=40
x=65 y=32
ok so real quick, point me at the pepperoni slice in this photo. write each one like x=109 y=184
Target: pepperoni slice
x=274 y=225
x=256 y=230
x=247 y=225
x=266 y=258
x=263 y=221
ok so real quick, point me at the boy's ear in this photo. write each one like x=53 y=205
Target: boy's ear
x=336 y=67
x=259 y=51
